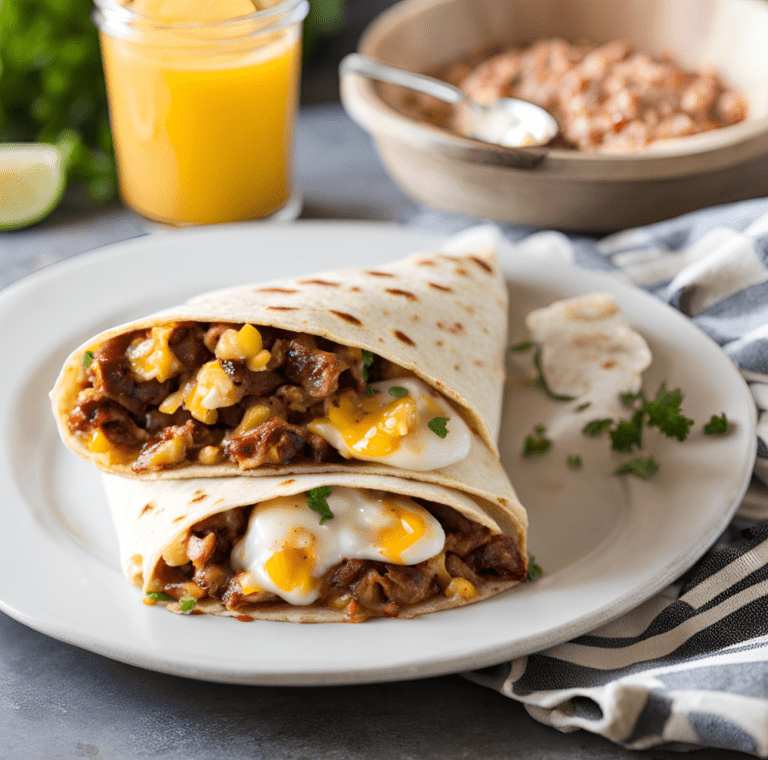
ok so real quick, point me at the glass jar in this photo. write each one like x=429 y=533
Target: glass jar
x=203 y=112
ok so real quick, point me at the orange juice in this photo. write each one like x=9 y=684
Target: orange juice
x=202 y=114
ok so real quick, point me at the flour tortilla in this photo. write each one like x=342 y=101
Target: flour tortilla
x=440 y=315
x=150 y=516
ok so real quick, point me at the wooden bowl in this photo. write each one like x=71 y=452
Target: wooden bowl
x=569 y=189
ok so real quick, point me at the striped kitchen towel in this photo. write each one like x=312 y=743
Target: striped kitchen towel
x=689 y=667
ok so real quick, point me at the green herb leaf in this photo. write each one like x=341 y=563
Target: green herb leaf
x=582 y=407
x=316 y=499
x=574 y=462
x=370 y=391
x=643 y=467
x=597 y=427
x=717 y=425
x=534 y=569
x=522 y=346
x=630 y=398
x=185 y=605
x=628 y=433
x=367 y=361
x=542 y=383
x=437 y=426
x=397 y=391
x=664 y=413
x=87 y=358
x=536 y=444
x=159 y=596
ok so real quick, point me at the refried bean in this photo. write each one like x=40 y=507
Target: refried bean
x=606 y=98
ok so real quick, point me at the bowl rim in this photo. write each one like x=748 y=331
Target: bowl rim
x=721 y=147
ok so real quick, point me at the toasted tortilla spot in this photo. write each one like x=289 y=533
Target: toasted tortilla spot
x=282 y=308
x=444 y=288
x=414 y=318
x=374 y=273
x=198 y=496
x=275 y=290
x=355 y=289
x=463 y=272
x=348 y=317
x=147 y=508
x=244 y=618
x=179 y=518
x=438 y=343
x=319 y=282
x=609 y=364
x=456 y=367
x=288 y=482
x=426 y=263
x=482 y=264
x=405 y=293
x=218 y=501
x=478 y=362
x=403 y=337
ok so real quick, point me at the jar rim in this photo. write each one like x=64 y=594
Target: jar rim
x=109 y=14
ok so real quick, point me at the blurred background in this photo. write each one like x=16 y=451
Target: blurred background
x=52 y=84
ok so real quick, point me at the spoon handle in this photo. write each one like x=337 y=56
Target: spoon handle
x=354 y=63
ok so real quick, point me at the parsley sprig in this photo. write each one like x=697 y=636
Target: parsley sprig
x=717 y=425
x=536 y=444
x=541 y=381
x=437 y=426
x=534 y=569
x=316 y=500
x=643 y=467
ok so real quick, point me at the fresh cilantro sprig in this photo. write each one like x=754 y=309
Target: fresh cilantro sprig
x=185 y=605
x=159 y=596
x=520 y=347
x=537 y=443
x=717 y=425
x=437 y=426
x=534 y=569
x=664 y=413
x=597 y=427
x=574 y=462
x=316 y=500
x=367 y=361
x=398 y=391
x=643 y=467
x=87 y=359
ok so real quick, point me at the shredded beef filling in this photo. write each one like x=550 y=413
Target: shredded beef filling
x=361 y=588
x=301 y=373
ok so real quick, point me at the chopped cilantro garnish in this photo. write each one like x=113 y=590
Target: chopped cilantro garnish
x=596 y=427
x=534 y=569
x=582 y=407
x=628 y=433
x=643 y=467
x=87 y=358
x=397 y=391
x=536 y=443
x=367 y=361
x=316 y=499
x=159 y=596
x=542 y=383
x=664 y=413
x=185 y=605
x=522 y=346
x=717 y=425
x=630 y=398
x=370 y=391
x=437 y=426
x=574 y=462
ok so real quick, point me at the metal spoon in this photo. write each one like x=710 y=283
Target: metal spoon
x=507 y=121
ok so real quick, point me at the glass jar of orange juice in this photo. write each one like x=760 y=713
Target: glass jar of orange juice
x=202 y=100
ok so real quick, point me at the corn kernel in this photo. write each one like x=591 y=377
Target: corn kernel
x=213 y=388
x=152 y=357
x=99 y=443
x=172 y=402
x=258 y=362
x=461 y=587
x=210 y=455
x=175 y=554
x=169 y=452
x=256 y=415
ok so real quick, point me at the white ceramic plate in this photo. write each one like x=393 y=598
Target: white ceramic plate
x=605 y=543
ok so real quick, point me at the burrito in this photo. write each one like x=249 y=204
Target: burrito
x=338 y=547
x=394 y=370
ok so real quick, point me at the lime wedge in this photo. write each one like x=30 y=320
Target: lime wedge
x=32 y=180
